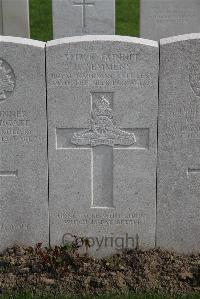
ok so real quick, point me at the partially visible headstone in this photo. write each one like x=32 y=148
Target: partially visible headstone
x=81 y=17
x=1 y=18
x=178 y=205
x=164 y=18
x=23 y=143
x=16 y=18
x=102 y=107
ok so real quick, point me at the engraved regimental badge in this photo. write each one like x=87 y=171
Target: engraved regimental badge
x=7 y=80
x=103 y=130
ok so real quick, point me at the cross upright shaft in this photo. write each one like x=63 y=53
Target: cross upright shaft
x=84 y=4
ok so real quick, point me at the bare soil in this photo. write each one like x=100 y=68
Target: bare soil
x=63 y=271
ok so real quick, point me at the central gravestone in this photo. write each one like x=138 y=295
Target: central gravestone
x=23 y=143
x=102 y=107
x=164 y=18
x=82 y=17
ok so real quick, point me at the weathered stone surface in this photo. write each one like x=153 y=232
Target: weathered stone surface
x=81 y=17
x=102 y=109
x=23 y=142
x=164 y=18
x=178 y=211
x=15 y=19
x=1 y=18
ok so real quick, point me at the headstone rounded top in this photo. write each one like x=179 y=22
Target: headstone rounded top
x=23 y=41
x=179 y=38
x=112 y=38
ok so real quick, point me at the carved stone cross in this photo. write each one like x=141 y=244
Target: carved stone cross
x=84 y=4
x=101 y=138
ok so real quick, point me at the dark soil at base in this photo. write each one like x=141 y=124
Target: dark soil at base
x=60 y=271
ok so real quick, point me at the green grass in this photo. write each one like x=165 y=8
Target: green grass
x=41 y=19
x=130 y=296
x=127 y=18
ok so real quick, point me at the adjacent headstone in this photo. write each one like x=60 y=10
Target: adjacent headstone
x=164 y=18
x=1 y=18
x=81 y=17
x=23 y=143
x=15 y=18
x=178 y=208
x=102 y=109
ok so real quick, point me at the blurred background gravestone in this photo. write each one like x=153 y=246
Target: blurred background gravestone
x=126 y=11
x=14 y=16
x=1 y=23
x=164 y=18
x=82 y=17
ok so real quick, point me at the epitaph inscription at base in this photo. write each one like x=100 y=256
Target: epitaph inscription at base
x=102 y=107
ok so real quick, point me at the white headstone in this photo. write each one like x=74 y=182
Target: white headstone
x=164 y=18
x=102 y=107
x=1 y=19
x=23 y=143
x=15 y=18
x=81 y=17
x=178 y=204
